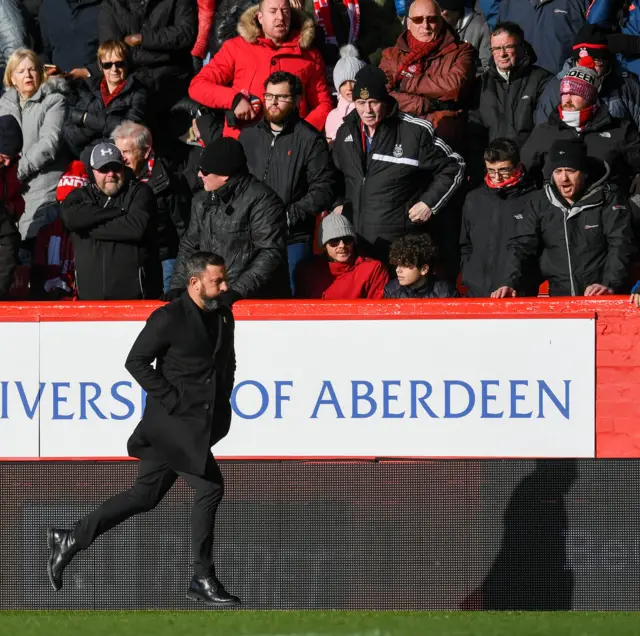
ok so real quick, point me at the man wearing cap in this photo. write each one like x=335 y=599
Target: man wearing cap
x=113 y=228
x=292 y=158
x=340 y=273
x=581 y=116
x=399 y=176
x=578 y=226
x=10 y=145
x=470 y=26
x=241 y=219
x=430 y=72
x=505 y=95
x=618 y=89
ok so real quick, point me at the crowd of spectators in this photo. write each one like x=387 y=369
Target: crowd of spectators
x=324 y=149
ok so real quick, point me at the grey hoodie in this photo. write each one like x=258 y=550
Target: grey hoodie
x=43 y=158
x=473 y=28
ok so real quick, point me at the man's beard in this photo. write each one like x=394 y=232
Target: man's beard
x=112 y=188
x=276 y=118
x=210 y=304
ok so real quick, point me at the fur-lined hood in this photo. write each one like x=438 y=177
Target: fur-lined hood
x=50 y=86
x=250 y=30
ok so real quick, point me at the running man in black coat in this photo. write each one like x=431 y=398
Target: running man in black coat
x=187 y=411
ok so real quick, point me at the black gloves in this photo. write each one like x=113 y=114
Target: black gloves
x=624 y=44
x=436 y=104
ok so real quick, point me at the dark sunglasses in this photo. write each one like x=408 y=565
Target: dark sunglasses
x=419 y=19
x=347 y=240
x=107 y=65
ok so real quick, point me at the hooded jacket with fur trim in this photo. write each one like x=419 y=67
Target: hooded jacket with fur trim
x=243 y=64
x=43 y=159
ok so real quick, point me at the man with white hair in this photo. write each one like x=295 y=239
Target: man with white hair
x=172 y=193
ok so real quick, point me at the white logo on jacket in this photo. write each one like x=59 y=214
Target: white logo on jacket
x=397 y=151
x=348 y=138
x=606 y=135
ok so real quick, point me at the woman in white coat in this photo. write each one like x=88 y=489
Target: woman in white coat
x=40 y=105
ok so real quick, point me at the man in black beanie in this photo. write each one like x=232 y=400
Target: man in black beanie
x=579 y=226
x=10 y=199
x=242 y=220
x=399 y=176
x=619 y=89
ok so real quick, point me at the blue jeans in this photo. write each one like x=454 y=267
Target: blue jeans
x=297 y=253
x=167 y=272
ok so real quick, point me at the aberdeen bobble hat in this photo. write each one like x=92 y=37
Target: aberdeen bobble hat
x=347 y=66
x=224 y=157
x=582 y=80
x=335 y=226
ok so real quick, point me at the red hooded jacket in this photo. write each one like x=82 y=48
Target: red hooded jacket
x=322 y=278
x=244 y=63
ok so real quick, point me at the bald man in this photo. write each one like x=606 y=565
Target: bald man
x=430 y=72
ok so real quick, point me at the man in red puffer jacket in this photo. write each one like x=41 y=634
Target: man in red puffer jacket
x=340 y=273
x=273 y=37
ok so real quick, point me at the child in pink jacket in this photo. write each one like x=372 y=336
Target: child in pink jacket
x=344 y=75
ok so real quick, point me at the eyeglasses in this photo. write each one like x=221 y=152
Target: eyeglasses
x=270 y=97
x=419 y=19
x=347 y=240
x=119 y=65
x=507 y=48
x=502 y=172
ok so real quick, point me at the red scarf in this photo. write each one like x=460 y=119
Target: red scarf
x=322 y=9
x=108 y=97
x=579 y=119
x=146 y=175
x=508 y=183
x=417 y=52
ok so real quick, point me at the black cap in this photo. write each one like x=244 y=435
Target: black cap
x=10 y=136
x=591 y=40
x=371 y=83
x=570 y=153
x=225 y=157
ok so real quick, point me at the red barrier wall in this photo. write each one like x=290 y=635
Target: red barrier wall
x=617 y=337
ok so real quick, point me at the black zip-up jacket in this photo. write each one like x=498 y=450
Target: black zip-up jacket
x=168 y=28
x=586 y=243
x=244 y=222
x=406 y=163
x=174 y=207
x=9 y=241
x=490 y=217
x=432 y=288
x=295 y=165
x=613 y=141
x=101 y=120
x=115 y=240
x=507 y=108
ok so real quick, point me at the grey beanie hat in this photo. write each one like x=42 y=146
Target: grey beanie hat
x=347 y=66
x=335 y=226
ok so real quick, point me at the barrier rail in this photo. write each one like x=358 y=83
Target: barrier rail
x=44 y=348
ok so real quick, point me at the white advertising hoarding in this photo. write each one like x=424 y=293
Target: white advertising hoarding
x=346 y=388
x=19 y=390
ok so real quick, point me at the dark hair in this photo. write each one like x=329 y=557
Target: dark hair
x=510 y=28
x=282 y=77
x=413 y=250
x=199 y=261
x=502 y=149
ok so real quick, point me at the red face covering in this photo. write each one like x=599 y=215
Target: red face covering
x=518 y=173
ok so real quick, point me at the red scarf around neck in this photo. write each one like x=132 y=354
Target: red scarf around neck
x=322 y=9
x=108 y=97
x=417 y=52
x=580 y=119
x=508 y=183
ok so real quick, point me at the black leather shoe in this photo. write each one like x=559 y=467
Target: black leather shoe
x=62 y=548
x=210 y=591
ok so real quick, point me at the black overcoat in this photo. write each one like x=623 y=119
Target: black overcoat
x=188 y=405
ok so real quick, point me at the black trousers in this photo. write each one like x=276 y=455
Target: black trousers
x=153 y=482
